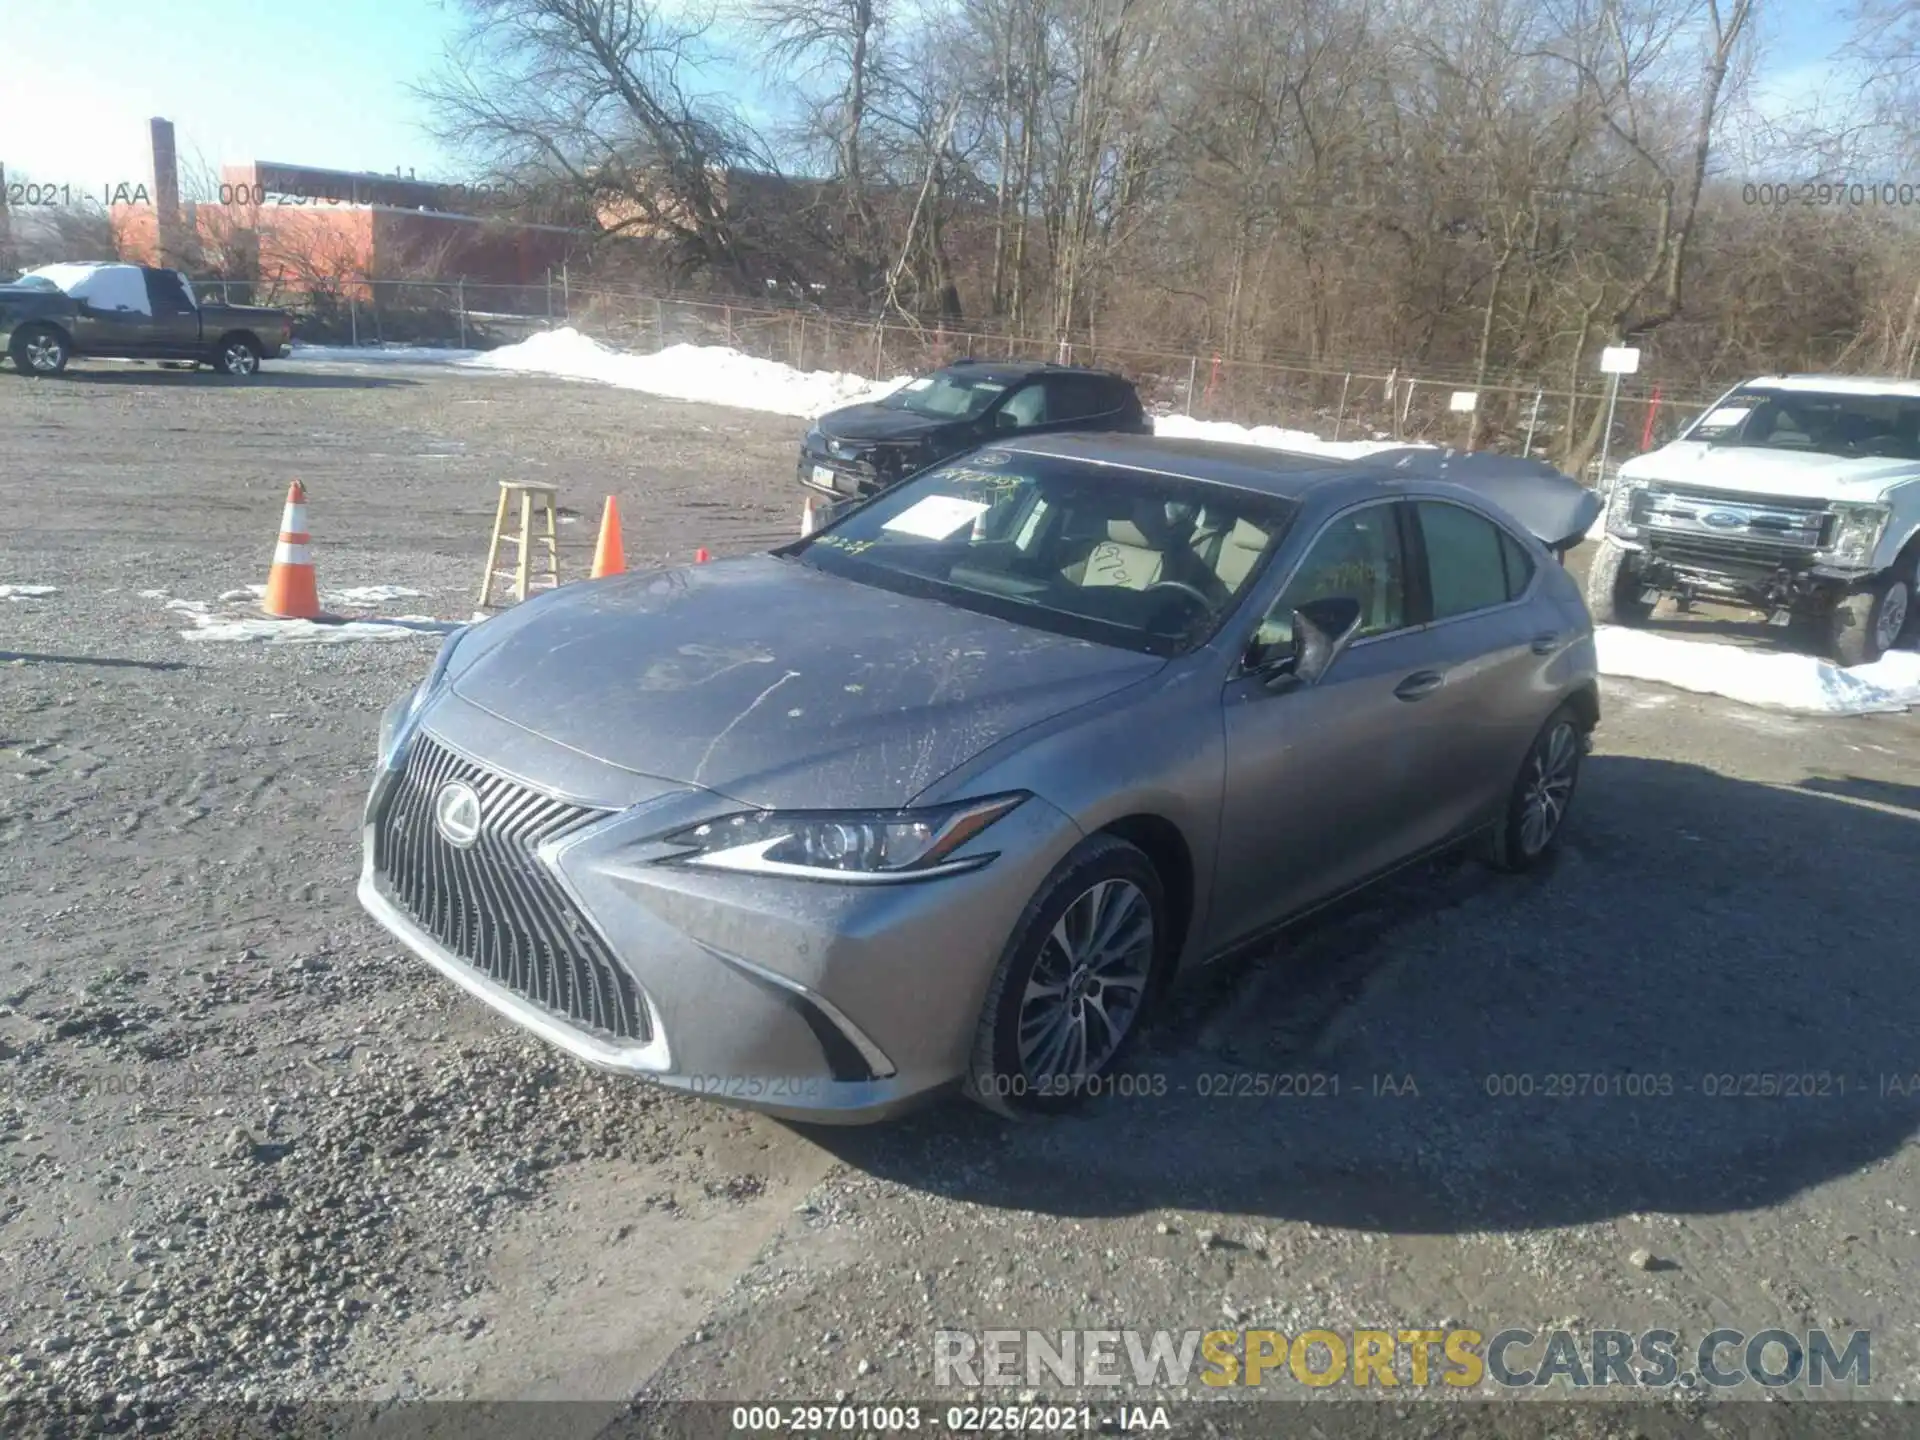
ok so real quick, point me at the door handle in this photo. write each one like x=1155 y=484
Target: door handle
x=1545 y=642
x=1419 y=685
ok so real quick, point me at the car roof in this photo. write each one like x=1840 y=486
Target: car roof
x=1286 y=474
x=1011 y=370
x=1554 y=507
x=1838 y=384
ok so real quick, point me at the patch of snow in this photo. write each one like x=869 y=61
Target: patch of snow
x=27 y=592
x=711 y=374
x=247 y=594
x=1225 y=432
x=189 y=607
x=1804 y=684
x=153 y=594
x=366 y=595
x=312 y=632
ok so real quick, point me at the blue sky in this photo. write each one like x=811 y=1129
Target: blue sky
x=322 y=82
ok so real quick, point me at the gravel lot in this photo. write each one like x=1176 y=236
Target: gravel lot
x=251 y=1151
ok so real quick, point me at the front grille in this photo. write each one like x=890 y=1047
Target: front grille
x=494 y=903
x=1756 y=528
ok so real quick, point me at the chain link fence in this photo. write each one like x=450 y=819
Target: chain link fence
x=1509 y=414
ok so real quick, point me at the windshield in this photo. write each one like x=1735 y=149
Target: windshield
x=1822 y=423
x=36 y=282
x=945 y=396
x=1122 y=557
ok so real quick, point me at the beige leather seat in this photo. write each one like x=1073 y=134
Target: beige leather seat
x=1123 y=559
x=1238 y=552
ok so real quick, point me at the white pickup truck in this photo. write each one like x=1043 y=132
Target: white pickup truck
x=1794 y=495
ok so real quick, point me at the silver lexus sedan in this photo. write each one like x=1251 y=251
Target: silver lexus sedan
x=946 y=793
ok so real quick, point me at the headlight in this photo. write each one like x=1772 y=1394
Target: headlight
x=403 y=716
x=860 y=847
x=1856 y=533
x=1620 y=509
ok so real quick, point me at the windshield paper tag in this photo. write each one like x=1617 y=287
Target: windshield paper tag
x=936 y=517
x=1725 y=416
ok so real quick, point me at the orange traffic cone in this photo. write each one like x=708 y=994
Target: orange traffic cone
x=700 y=556
x=609 y=557
x=292 y=593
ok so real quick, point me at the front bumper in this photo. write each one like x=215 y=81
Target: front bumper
x=807 y=1000
x=842 y=479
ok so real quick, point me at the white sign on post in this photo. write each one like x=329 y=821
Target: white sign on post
x=1619 y=360
x=1463 y=400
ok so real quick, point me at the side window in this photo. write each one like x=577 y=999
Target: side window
x=1466 y=563
x=166 y=294
x=1358 y=555
x=1076 y=397
x=1519 y=566
x=1028 y=406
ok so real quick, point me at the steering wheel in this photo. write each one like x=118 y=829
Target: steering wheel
x=1206 y=603
x=1883 y=446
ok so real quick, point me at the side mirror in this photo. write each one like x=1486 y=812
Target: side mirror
x=1322 y=629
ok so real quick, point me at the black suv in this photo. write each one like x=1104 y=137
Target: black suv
x=862 y=449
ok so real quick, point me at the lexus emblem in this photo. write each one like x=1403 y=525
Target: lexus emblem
x=456 y=813
x=1723 y=520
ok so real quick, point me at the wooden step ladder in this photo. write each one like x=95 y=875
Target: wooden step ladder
x=532 y=495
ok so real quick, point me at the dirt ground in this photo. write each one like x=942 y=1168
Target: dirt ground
x=250 y=1150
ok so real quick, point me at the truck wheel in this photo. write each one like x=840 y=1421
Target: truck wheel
x=40 y=350
x=1613 y=589
x=1867 y=624
x=237 y=355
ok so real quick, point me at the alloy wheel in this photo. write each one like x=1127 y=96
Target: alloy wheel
x=43 y=353
x=1549 y=786
x=240 y=360
x=1087 y=985
x=1893 y=615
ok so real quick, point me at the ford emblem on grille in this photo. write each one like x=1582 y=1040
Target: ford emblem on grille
x=456 y=813
x=1723 y=519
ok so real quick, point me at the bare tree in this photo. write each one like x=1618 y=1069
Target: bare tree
x=601 y=96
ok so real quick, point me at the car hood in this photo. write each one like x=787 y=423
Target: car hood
x=776 y=684
x=1786 y=473
x=878 y=422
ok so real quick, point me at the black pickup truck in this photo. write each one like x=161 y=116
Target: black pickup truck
x=130 y=312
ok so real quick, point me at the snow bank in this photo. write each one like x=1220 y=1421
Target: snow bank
x=1225 y=432
x=27 y=592
x=712 y=374
x=1805 y=684
x=718 y=375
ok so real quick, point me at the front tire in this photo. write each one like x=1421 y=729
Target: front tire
x=1530 y=827
x=40 y=350
x=1613 y=589
x=1076 y=978
x=1868 y=623
x=238 y=356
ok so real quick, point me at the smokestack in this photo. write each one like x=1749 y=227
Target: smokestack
x=166 y=190
x=6 y=227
